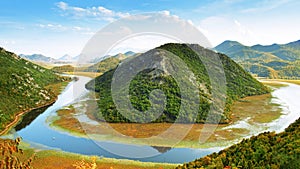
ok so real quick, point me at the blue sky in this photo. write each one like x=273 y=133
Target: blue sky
x=55 y=28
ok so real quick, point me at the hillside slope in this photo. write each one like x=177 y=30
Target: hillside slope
x=239 y=84
x=267 y=150
x=23 y=86
x=273 y=61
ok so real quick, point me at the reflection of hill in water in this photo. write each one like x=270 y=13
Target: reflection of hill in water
x=29 y=117
x=162 y=149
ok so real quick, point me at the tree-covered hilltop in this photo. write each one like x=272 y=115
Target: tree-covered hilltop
x=23 y=86
x=239 y=84
x=272 y=61
x=104 y=65
x=267 y=150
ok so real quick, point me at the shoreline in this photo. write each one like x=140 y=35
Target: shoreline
x=222 y=132
x=19 y=116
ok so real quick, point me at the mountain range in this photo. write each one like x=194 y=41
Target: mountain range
x=105 y=64
x=271 y=61
x=38 y=58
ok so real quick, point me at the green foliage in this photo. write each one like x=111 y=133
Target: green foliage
x=272 y=61
x=267 y=150
x=22 y=86
x=104 y=65
x=239 y=84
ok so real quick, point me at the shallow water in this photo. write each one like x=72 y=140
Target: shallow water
x=39 y=134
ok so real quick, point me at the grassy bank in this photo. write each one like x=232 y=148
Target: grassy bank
x=88 y=74
x=297 y=82
x=258 y=109
x=54 y=88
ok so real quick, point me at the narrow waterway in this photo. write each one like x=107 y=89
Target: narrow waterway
x=39 y=134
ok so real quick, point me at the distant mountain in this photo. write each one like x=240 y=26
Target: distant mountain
x=24 y=85
x=120 y=56
x=129 y=53
x=273 y=61
x=104 y=65
x=38 y=58
x=66 y=57
x=239 y=84
x=109 y=62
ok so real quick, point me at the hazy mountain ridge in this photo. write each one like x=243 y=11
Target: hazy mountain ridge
x=273 y=61
x=239 y=84
x=38 y=58
x=105 y=64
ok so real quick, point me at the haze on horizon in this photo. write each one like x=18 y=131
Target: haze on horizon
x=55 y=28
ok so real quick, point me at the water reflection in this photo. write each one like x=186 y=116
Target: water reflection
x=29 y=117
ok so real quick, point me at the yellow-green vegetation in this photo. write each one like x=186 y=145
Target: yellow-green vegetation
x=88 y=74
x=67 y=121
x=258 y=108
x=63 y=68
x=23 y=87
x=267 y=150
x=274 y=84
x=57 y=88
x=297 y=82
x=104 y=65
x=14 y=157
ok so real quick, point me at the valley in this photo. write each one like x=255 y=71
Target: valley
x=74 y=118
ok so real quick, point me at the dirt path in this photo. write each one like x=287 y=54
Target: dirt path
x=19 y=115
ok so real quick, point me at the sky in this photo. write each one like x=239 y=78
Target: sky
x=55 y=28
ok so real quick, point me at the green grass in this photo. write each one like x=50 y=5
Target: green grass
x=23 y=86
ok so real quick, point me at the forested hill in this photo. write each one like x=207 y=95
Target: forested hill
x=23 y=86
x=239 y=84
x=267 y=150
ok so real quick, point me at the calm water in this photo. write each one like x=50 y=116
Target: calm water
x=35 y=129
x=39 y=134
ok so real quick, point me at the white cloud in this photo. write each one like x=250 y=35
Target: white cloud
x=62 y=28
x=62 y=5
x=217 y=29
x=98 y=13
x=54 y=27
x=265 y=6
x=165 y=12
x=141 y=43
x=7 y=42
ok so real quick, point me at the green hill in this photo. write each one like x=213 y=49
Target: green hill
x=23 y=86
x=239 y=84
x=104 y=65
x=267 y=150
x=272 y=61
x=63 y=68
